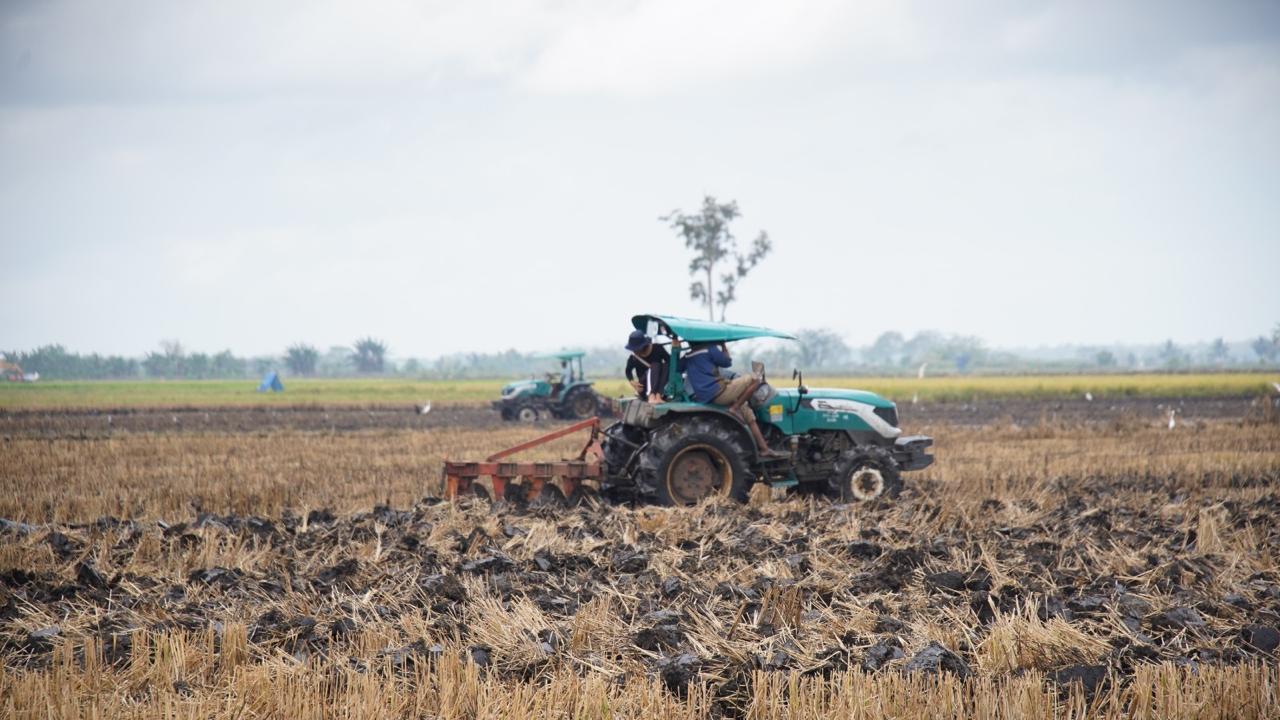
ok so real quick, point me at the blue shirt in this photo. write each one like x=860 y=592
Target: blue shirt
x=701 y=366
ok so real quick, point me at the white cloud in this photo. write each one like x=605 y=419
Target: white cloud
x=621 y=47
x=661 y=45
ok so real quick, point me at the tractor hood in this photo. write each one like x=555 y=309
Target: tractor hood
x=704 y=330
x=521 y=387
x=831 y=409
x=862 y=396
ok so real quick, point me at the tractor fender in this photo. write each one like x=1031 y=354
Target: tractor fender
x=719 y=413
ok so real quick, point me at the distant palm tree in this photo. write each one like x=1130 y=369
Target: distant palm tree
x=301 y=359
x=370 y=355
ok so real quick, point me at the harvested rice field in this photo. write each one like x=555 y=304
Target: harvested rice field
x=1056 y=561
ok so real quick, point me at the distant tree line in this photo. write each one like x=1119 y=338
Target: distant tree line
x=815 y=349
x=53 y=361
x=173 y=362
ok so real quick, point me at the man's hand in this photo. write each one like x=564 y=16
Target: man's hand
x=725 y=349
x=635 y=385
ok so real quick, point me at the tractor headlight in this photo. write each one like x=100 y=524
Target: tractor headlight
x=762 y=396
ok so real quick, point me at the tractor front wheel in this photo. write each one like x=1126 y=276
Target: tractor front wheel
x=527 y=413
x=691 y=460
x=862 y=478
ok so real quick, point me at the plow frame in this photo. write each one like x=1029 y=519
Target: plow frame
x=461 y=477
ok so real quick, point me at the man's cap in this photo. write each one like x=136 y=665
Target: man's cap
x=637 y=340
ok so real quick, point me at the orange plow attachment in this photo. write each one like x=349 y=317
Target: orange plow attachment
x=533 y=478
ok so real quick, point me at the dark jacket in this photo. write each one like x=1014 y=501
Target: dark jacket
x=650 y=371
x=702 y=365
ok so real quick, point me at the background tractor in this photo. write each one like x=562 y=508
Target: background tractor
x=565 y=393
x=845 y=444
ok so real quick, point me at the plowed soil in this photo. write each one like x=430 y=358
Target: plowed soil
x=1073 y=546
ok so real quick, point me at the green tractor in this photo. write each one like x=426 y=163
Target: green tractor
x=564 y=394
x=843 y=444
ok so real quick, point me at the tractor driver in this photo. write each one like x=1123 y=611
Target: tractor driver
x=647 y=367
x=702 y=364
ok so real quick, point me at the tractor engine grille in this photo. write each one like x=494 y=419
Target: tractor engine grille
x=889 y=415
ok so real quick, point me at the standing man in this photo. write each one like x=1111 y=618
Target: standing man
x=702 y=364
x=647 y=367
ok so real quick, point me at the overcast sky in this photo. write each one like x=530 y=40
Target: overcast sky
x=478 y=175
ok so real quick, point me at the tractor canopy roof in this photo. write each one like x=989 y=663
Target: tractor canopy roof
x=562 y=355
x=704 y=330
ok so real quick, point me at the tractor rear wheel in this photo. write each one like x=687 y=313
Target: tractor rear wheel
x=581 y=403
x=862 y=477
x=691 y=459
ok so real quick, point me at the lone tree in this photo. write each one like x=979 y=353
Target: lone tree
x=301 y=359
x=370 y=355
x=707 y=234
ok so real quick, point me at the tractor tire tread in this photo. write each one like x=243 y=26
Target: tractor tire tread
x=667 y=438
x=851 y=460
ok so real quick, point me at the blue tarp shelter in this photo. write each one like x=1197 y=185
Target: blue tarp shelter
x=271 y=381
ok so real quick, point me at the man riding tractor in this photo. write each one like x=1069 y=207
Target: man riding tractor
x=845 y=444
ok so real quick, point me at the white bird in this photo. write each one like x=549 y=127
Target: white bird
x=1172 y=422
x=425 y=408
x=915 y=398
x=1276 y=385
x=1088 y=396
x=920 y=373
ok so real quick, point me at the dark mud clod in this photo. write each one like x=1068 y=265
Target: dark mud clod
x=495 y=562
x=1179 y=618
x=1090 y=678
x=43 y=638
x=864 y=549
x=481 y=655
x=444 y=586
x=339 y=571
x=678 y=671
x=88 y=576
x=935 y=659
x=881 y=654
x=1260 y=638
x=948 y=580
x=216 y=576
x=671 y=587
x=629 y=561
x=63 y=546
x=663 y=631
